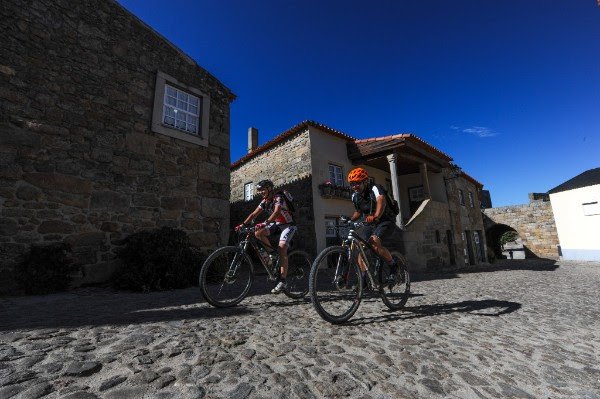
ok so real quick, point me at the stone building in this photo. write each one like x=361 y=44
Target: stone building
x=106 y=128
x=440 y=205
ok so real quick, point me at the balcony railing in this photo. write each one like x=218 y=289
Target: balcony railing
x=333 y=191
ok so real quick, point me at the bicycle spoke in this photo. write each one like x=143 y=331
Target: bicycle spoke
x=226 y=277
x=335 y=285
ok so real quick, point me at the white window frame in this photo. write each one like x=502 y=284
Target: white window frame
x=163 y=81
x=248 y=191
x=591 y=208
x=336 y=174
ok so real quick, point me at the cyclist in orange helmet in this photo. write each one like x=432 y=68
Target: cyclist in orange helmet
x=370 y=203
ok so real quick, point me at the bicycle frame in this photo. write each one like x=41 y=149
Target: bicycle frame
x=354 y=242
x=252 y=242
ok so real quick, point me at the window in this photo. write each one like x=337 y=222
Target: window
x=336 y=175
x=180 y=111
x=471 y=202
x=591 y=208
x=461 y=197
x=416 y=194
x=437 y=236
x=330 y=227
x=248 y=191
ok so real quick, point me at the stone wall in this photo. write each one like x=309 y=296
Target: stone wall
x=285 y=162
x=288 y=165
x=303 y=202
x=534 y=222
x=78 y=160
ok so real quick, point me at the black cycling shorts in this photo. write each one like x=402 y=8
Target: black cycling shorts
x=381 y=230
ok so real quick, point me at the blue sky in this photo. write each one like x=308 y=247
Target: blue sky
x=510 y=89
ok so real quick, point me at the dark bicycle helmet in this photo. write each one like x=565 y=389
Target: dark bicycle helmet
x=264 y=184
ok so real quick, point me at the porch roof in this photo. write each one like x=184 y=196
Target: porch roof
x=409 y=148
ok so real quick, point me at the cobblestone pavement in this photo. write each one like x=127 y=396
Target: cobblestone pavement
x=519 y=329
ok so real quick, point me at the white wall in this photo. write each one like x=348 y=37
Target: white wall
x=326 y=149
x=579 y=235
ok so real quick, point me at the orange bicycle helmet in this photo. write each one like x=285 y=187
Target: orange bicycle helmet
x=357 y=175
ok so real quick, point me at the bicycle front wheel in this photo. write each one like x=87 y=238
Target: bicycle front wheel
x=297 y=275
x=335 y=285
x=394 y=292
x=226 y=277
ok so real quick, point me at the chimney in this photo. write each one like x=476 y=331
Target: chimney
x=252 y=139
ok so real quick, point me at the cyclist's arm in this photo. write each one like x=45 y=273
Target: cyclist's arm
x=355 y=216
x=253 y=215
x=380 y=207
x=276 y=212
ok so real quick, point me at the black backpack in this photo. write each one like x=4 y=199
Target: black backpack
x=391 y=204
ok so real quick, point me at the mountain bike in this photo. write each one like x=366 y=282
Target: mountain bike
x=227 y=274
x=335 y=284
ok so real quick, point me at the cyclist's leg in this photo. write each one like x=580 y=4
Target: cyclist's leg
x=284 y=243
x=263 y=235
x=380 y=231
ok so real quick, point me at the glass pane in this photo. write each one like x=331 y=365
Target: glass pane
x=180 y=116
x=192 y=128
x=171 y=101
x=180 y=125
x=182 y=105
x=171 y=91
x=192 y=119
x=192 y=109
x=194 y=101
x=169 y=121
x=169 y=111
x=182 y=96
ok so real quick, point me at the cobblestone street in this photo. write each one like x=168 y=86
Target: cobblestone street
x=519 y=329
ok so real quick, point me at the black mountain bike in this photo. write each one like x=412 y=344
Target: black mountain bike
x=228 y=273
x=335 y=284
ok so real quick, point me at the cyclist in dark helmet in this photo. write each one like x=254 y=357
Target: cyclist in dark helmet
x=370 y=203
x=280 y=221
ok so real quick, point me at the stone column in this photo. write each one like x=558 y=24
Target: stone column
x=425 y=178
x=395 y=186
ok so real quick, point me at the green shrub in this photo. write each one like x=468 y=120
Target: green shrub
x=45 y=269
x=157 y=260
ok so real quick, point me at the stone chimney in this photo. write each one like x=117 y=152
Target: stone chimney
x=252 y=139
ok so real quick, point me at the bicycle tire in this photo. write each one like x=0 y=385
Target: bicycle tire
x=324 y=291
x=395 y=296
x=213 y=275
x=299 y=266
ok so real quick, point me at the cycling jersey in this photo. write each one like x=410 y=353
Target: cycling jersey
x=366 y=202
x=285 y=216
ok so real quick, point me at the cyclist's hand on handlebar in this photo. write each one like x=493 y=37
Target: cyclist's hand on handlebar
x=370 y=219
x=239 y=227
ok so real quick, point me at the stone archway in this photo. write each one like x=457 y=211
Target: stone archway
x=534 y=223
x=512 y=250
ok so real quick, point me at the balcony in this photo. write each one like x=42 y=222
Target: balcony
x=329 y=190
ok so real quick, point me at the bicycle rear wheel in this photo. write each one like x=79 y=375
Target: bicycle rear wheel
x=335 y=297
x=226 y=277
x=297 y=275
x=396 y=293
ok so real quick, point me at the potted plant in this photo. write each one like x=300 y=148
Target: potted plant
x=327 y=188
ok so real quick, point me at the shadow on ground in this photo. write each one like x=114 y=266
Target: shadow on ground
x=96 y=307
x=539 y=264
x=485 y=307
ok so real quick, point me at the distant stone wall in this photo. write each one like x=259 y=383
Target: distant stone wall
x=283 y=163
x=288 y=165
x=534 y=222
x=78 y=160
x=303 y=202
